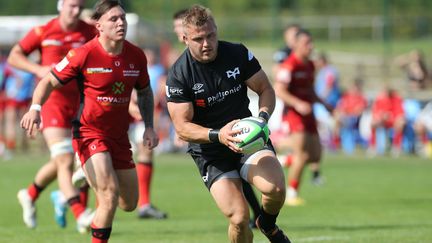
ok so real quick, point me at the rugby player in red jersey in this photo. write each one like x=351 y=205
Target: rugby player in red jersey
x=107 y=68
x=54 y=40
x=295 y=87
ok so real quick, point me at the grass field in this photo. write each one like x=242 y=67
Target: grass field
x=364 y=200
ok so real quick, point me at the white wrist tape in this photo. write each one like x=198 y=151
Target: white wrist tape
x=36 y=107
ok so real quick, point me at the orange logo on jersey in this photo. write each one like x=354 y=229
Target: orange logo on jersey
x=71 y=53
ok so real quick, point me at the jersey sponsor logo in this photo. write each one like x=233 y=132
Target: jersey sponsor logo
x=197 y=88
x=206 y=177
x=99 y=70
x=250 y=55
x=51 y=42
x=108 y=101
x=118 y=87
x=61 y=65
x=170 y=91
x=233 y=73
x=131 y=73
x=200 y=102
x=300 y=75
x=220 y=96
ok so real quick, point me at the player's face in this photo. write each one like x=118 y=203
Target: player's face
x=112 y=24
x=202 y=41
x=304 y=46
x=70 y=11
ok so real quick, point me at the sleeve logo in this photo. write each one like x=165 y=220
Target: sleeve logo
x=61 y=65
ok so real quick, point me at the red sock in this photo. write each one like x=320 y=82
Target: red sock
x=100 y=235
x=83 y=194
x=294 y=184
x=397 y=140
x=144 y=173
x=34 y=191
x=76 y=207
x=288 y=160
x=373 y=138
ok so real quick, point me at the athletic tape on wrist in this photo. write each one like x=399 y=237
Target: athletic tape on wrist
x=264 y=115
x=214 y=135
x=36 y=107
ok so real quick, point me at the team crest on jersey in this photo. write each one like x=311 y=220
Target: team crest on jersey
x=38 y=31
x=71 y=53
x=233 y=73
x=118 y=87
x=117 y=63
x=99 y=70
x=132 y=66
x=198 y=88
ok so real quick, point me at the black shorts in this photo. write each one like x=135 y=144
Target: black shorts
x=213 y=166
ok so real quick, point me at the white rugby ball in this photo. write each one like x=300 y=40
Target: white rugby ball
x=254 y=134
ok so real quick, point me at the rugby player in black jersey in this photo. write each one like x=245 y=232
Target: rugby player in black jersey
x=207 y=94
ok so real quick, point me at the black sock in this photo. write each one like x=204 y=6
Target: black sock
x=267 y=221
x=38 y=188
x=102 y=233
x=71 y=201
x=251 y=198
x=315 y=174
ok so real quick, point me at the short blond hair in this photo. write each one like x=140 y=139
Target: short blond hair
x=198 y=15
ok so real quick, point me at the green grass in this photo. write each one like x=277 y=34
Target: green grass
x=363 y=200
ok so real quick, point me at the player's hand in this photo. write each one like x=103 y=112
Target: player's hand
x=303 y=108
x=150 y=138
x=226 y=136
x=31 y=122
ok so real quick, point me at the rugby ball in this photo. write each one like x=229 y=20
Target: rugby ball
x=254 y=134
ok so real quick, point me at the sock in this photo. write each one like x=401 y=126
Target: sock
x=397 y=140
x=100 y=235
x=83 y=195
x=294 y=184
x=373 y=138
x=251 y=198
x=288 y=160
x=315 y=174
x=144 y=174
x=267 y=221
x=10 y=144
x=34 y=191
x=76 y=206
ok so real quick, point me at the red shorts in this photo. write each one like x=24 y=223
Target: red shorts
x=299 y=123
x=18 y=104
x=119 y=149
x=54 y=115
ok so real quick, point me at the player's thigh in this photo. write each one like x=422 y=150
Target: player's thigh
x=128 y=188
x=100 y=172
x=264 y=172
x=228 y=195
x=54 y=135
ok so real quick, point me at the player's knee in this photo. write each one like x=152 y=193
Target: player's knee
x=108 y=197
x=239 y=220
x=128 y=206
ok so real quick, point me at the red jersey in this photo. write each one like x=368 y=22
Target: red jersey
x=299 y=77
x=54 y=43
x=387 y=107
x=352 y=104
x=107 y=82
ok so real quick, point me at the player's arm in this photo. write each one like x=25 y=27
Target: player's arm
x=146 y=108
x=31 y=120
x=260 y=84
x=283 y=80
x=181 y=116
x=18 y=59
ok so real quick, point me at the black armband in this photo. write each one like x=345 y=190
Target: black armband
x=264 y=115
x=214 y=135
